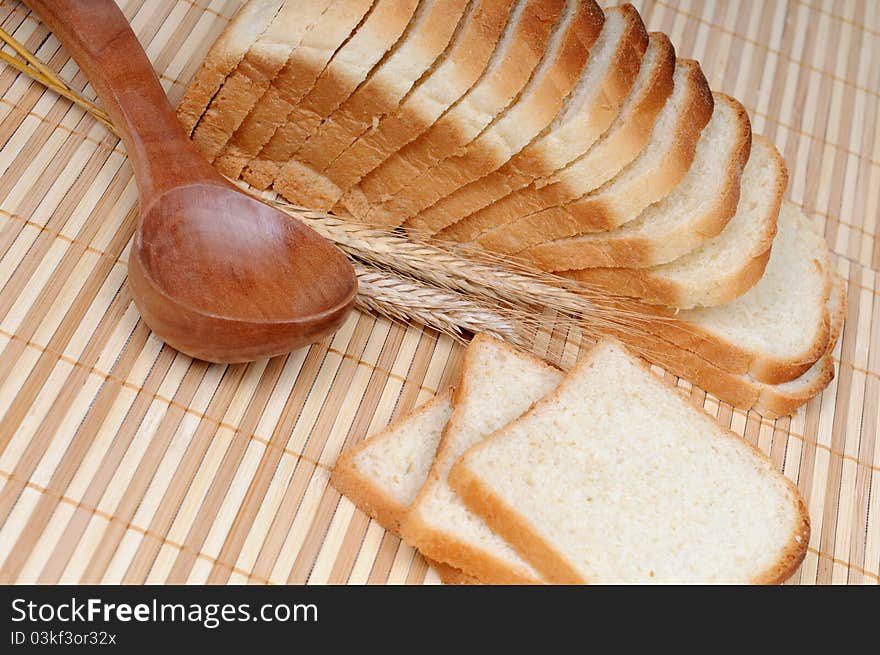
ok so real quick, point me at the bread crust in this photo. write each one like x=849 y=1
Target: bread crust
x=291 y=83
x=451 y=575
x=463 y=63
x=505 y=521
x=303 y=177
x=445 y=547
x=350 y=482
x=783 y=399
x=622 y=248
x=608 y=206
x=656 y=289
x=512 y=130
x=246 y=84
x=247 y=25
x=475 y=208
x=349 y=67
x=744 y=390
x=526 y=539
x=544 y=155
x=526 y=43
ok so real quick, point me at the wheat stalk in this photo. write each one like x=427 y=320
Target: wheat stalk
x=409 y=278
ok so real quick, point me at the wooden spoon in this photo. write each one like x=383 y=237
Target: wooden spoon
x=214 y=272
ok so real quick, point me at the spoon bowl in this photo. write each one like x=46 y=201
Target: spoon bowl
x=220 y=275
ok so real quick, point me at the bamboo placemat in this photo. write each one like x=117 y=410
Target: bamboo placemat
x=124 y=461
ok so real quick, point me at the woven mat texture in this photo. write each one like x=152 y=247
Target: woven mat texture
x=124 y=461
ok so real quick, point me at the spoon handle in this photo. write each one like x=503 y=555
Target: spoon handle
x=97 y=35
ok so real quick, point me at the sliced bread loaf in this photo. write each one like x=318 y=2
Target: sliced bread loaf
x=782 y=321
x=295 y=78
x=776 y=330
x=451 y=76
x=649 y=178
x=497 y=384
x=385 y=24
x=586 y=113
x=262 y=62
x=742 y=389
x=616 y=478
x=228 y=50
x=519 y=51
x=433 y=28
x=535 y=108
x=383 y=474
x=723 y=268
x=620 y=144
x=696 y=210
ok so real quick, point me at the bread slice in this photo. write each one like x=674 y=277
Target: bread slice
x=451 y=76
x=585 y=114
x=383 y=474
x=351 y=64
x=243 y=88
x=618 y=146
x=295 y=78
x=513 y=129
x=778 y=328
x=228 y=50
x=723 y=268
x=697 y=209
x=648 y=179
x=433 y=28
x=743 y=390
x=497 y=384
x=519 y=51
x=615 y=478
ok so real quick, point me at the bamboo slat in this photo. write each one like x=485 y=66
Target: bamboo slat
x=124 y=461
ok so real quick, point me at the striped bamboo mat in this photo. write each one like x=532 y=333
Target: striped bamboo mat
x=124 y=461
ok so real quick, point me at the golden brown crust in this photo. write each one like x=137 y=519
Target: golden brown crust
x=525 y=538
x=600 y=211
x=474 y=562
x=361 y=491
x=467 y=58
x=505 y=522
x=656 y=289
x=380 y=95
x=451 y=575
x=386 y=186
x=227 y=51
x=623 y=249
x=383 y=28
x=532 y=161
x=514 y=129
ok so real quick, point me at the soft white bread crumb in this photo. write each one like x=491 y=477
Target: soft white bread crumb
x=615 y=478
